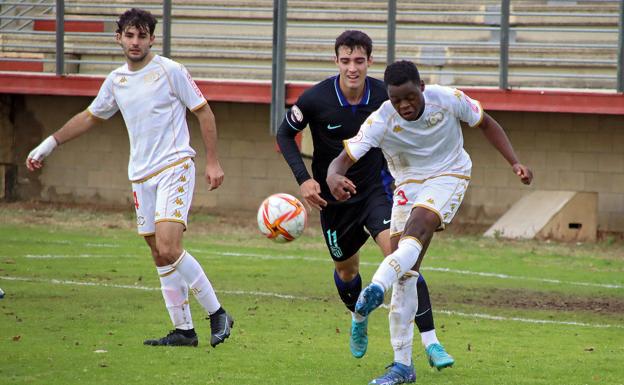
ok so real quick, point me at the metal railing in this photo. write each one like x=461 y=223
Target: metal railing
x=497 y=46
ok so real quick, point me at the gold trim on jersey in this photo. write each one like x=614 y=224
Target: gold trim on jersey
x=178 y=162
x=397 y=234
x=200 y=106
x=421 y=181
x=94 y=116
x=147 y=234
x=482 y=115
x=346 y=147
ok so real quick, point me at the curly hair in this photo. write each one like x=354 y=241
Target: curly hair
x=400 y=72
x=141 y=19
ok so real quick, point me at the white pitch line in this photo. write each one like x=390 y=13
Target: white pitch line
x=437 y=269
x=149 y=288
x=326 y=260
x=304 y=298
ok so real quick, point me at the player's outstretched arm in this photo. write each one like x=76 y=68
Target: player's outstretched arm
x=208 y=127
x=76 y=126
x=341 y=187
x=310 y=188
x=496 y=135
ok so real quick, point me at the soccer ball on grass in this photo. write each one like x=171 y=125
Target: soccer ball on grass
x=282 y=217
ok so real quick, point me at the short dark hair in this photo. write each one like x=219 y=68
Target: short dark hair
x=400 y=72
x=136 y=17
x=354 y=39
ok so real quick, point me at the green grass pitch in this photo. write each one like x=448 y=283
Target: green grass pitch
x=82 y=294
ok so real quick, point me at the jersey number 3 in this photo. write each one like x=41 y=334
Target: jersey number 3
x=402 y=198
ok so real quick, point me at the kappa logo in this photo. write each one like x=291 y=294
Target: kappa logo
x=179 y=201
x=430 y=201
x=122 y=80
x=330 y=127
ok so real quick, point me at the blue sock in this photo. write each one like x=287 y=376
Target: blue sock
x=348 y=291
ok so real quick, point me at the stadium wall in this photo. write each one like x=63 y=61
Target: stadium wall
x=567 y=151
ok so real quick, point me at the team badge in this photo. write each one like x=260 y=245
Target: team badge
x=296 y=115
x=434 y=118
x=151 y=77
x=397 y=129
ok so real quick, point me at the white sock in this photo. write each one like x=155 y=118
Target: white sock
x=429 y=338
x=403 y=306
x=175 y=294
x=398 y=263
x=197 y=281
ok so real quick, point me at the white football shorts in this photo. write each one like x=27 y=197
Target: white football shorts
x=442 y=195
x=164 y=197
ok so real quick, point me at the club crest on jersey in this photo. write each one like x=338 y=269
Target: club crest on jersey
x=397 y=129
x=296 y=115
x=434 y=118
x=151 y=77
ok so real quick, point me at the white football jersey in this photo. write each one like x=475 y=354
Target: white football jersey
x=153 y=103
x=431 y=146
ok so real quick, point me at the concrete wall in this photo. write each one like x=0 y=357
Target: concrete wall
x=566 y=151
x=573 y=152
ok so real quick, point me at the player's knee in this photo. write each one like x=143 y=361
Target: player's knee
x=168 y=253
x=347 y=274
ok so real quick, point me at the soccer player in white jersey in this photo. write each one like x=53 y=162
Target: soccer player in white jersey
x=419 y=132
x=153 y=93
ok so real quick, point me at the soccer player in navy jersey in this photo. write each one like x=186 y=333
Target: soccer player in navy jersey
x=334 y=109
